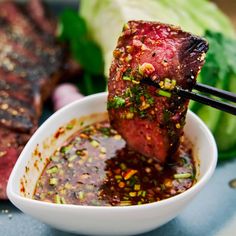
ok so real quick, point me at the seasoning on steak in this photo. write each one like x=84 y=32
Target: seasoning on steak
x=151 y=120
x=30 y=65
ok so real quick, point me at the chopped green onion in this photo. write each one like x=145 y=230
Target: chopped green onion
x=135 y=81
x=164 y=93
x=52 y=170
x=78 y=139
x=144 y=193
x=105 y=131
x=140 y=193
x=117 y=102
x=65 y=149
x=69 y=126
x=72 y=158
x=81 y=195
x=137 y=187
x=81 y=152
x=182 y=176
x=57 y=199
x=118 y=177
x=132 y=181
x=125 y=203
x=94 y=143
x=126 y=78
x=123 y=166
x=53 y=181
x=132 y=194
x=63 y=201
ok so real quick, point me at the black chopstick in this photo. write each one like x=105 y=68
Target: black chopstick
x=220 y=105
x=229 y=108
x=215 y=91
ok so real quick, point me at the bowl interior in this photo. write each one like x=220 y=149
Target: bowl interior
x=55 y=131
x=53 y=134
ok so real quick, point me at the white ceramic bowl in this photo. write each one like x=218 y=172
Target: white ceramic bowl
x=99 y=220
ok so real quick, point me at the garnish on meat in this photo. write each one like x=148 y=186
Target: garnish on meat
x=151 y=120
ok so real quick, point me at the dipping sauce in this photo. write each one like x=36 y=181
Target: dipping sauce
x=95 y=167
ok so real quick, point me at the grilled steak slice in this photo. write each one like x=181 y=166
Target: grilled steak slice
x=10 y=83
x=42 y=17
x=19 y=29
x=151 y=120
x=30 y=66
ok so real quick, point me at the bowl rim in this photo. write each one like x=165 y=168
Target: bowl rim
x=15 y=198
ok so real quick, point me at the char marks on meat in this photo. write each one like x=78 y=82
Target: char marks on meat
x=30 y=66
x=151 y=120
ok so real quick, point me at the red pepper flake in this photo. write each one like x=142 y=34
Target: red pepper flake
x=59 y=132
x=129 y=173
x=142 y=98
x=22 y=187
x=82 y=135
x=117 y=171
x=121 y=184
x=36 y=151
x=39 y=154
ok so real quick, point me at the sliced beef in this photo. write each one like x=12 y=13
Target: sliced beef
x=151 y=120
x=11 y=83
x=42 y=17
x=20 y=29
x=31 y=63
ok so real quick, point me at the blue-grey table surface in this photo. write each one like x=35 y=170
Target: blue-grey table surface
x=212 y=212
